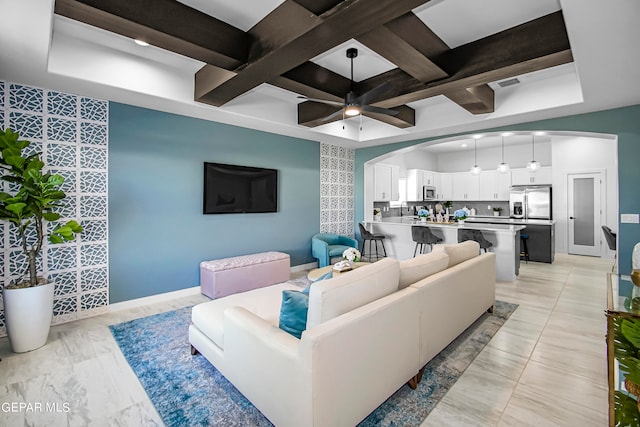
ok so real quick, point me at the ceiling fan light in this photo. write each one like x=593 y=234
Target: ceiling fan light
x=503 y=167
x=351 y=111
x=533 y=165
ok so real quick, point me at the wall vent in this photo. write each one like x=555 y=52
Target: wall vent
x=510 y=82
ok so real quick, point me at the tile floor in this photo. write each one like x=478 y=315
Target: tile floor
x=545 y=367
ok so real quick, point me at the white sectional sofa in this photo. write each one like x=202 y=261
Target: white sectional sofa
x=368 y=332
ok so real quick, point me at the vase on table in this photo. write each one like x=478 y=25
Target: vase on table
x=423 y=219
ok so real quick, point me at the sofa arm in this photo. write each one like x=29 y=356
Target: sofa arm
x=264 y=363
x=320 y=250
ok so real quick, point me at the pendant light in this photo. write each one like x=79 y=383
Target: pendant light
x=533 y=165
x=475 y=169
x=503 y=167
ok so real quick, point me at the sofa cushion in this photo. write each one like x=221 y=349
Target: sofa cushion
x=459 y=252
x=293 y=312
x=415 y=269
x=263 y=302
x=333 y=297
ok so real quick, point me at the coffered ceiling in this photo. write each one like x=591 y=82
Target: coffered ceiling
x=446 y=65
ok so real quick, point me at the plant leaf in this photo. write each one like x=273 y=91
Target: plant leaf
x=631 y=331
x=56 y=180
x=54 y=238
x=16 y=208
x=51 y=216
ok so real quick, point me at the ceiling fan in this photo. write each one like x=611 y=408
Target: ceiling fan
x=354 y=104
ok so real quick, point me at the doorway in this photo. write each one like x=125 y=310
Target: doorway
x=584 y=213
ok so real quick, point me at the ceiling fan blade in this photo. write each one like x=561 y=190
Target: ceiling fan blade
x=332 y=115
x=324 y=101
x=369 y=96
x=378 y=110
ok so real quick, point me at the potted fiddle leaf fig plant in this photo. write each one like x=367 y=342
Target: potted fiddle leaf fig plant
x=33 y=196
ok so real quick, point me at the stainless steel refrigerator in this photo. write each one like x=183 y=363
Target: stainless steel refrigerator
x=530 y=202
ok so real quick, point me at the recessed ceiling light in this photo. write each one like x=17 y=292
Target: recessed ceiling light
x=463 y=145
x=141 y=42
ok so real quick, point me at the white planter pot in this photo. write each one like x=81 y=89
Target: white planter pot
x=28 y=313
x=496 y=213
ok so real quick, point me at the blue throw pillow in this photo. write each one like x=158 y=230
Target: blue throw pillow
x=293 y=312
x=325 y=276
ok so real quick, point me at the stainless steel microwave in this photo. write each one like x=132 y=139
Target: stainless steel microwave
x=428 y=192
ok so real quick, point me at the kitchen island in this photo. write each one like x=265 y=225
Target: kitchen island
x=505 y=239
x=541 y=232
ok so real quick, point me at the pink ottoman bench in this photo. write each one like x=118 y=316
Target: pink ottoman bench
x=221 y=277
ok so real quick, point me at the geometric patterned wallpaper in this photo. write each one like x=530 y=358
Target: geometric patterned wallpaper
x=336 y=190
x=71 y=132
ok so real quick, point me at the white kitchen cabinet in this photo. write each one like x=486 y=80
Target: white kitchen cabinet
x=428 y=178
x=444 y=186
x=386 y=183
x=414 y=184
x=466 y=186
x=523 y=176
x=416 y=179
x=494 y=185
x=504 y=186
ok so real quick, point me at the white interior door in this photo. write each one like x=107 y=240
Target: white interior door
x=584 y=213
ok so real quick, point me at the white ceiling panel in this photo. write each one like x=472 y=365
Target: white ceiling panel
x=242 y=14
x=367 y=64
x=459 y=22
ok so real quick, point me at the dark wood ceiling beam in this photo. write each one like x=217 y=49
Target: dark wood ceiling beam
x=409 y=43
x=314 y=81
x=397 y=51
x=533 y=46
x=167 y=24
x=412 y=30
x=476 y=100
x=318 y=7
x=441 y=88
x=278 y=48
x=534 y=39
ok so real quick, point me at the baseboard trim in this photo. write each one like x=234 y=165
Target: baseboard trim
x=303 y=267
x=195 y=290
x=167 y=296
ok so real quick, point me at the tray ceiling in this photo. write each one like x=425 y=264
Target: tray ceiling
x=248 y=62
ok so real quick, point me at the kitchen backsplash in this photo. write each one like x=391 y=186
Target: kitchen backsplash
x=482 y=208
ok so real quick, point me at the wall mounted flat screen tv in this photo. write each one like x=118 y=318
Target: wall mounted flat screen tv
x=239 y=189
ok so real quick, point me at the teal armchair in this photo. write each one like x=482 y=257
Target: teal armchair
x=327 y=245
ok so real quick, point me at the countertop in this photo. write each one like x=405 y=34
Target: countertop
x=507 y=220
x=478 y=219
x=411 y=220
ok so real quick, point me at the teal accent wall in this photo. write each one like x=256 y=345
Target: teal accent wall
x=157 y=232
x=623 y=122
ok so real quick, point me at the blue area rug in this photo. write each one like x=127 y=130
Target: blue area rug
x=188 y=391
